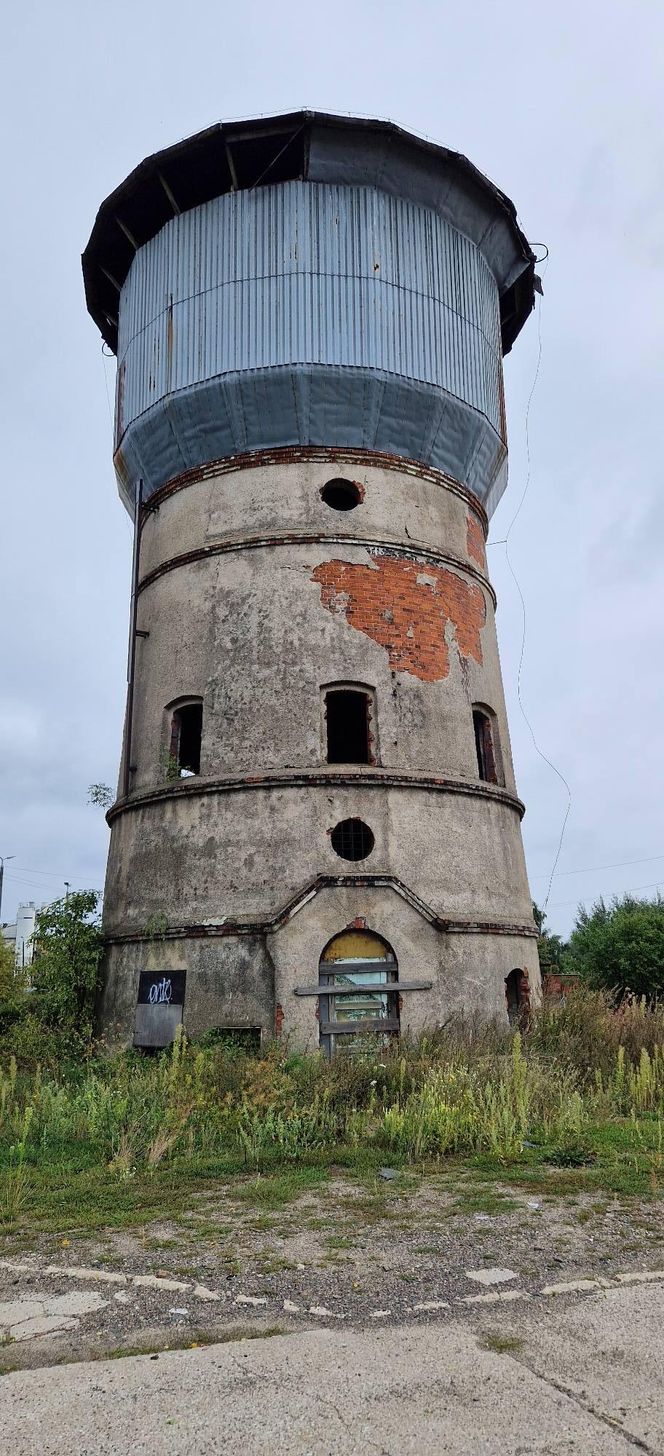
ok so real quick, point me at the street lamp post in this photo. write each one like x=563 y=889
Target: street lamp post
x=2 y=876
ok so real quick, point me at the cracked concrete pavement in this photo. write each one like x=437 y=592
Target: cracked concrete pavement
x=570 y=1373
x=400 y=1325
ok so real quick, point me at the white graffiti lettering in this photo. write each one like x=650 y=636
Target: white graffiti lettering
x=161 y=992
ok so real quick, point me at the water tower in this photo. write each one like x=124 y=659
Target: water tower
x=317 y=830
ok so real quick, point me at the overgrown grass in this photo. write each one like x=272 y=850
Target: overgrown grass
x=575 y=1103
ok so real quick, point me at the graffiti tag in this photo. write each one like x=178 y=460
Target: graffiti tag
x=161 y=993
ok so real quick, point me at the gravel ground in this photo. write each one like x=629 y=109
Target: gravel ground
x=387 y=1252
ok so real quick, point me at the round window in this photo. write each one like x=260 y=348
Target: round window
x=341 y=495
x=352 y=839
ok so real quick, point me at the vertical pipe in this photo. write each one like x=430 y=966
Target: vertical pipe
x=131 y=657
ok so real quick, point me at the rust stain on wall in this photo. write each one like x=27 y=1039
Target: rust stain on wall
x=475 y=540
x=405 y=607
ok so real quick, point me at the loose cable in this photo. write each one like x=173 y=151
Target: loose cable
x=515 y=579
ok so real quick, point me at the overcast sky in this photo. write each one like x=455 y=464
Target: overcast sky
x=562 y=107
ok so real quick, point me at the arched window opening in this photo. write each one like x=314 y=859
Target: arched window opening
x=355 y=972
x=185 y=743
x=516 y=995
x=341 y=495
x=352 y=839
x=348 y=725
x=485 y=746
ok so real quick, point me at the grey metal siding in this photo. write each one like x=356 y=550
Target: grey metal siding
x=309 y=274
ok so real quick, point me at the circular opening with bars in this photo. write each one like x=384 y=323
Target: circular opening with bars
x=341 y=495
x=352 y=839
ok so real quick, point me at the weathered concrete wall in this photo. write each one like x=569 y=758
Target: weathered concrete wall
x=244 y=854
x=467 y=971
x=230 y=982
x=244 y=629
x=240 y=981
x=256 y=595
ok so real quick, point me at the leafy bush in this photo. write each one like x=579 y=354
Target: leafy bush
x=65 y=973
x=12 y=988
x=620 y=946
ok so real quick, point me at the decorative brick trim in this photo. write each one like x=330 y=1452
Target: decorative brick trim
x=426 y=556
x=226 y=927
x=366 y=778
x=318 y=454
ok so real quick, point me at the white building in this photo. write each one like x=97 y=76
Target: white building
x=20 y=934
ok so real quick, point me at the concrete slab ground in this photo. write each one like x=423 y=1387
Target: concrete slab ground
x=575 y=1373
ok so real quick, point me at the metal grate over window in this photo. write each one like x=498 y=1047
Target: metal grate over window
x=352 y=839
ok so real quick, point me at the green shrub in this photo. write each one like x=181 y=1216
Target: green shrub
x=620 y=946
x=484 y=1091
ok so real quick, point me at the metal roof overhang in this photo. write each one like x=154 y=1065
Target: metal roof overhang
x=318 y=147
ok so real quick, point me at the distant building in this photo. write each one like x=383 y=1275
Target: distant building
x=20 y=934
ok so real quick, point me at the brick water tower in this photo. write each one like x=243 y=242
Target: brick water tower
x=317 y=830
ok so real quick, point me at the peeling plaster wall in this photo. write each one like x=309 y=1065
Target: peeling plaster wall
x=255 y=594
x=247 y=630
x=411 y=608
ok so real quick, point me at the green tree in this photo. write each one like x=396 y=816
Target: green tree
x=100 y=795
x=620 y=946
x=551 y=947
x=12 y=987
x=65 y=972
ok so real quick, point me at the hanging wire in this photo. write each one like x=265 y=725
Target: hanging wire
x=108 y=397
x=515 y=579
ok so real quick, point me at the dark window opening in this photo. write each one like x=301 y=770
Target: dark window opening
x=352 y=839
x=186 y=733
x=238 y=1040
x=516 y=996
x=341 y=495
x=486 y=758
x=347 y=718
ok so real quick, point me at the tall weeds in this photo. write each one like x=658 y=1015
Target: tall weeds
x=464 y=1088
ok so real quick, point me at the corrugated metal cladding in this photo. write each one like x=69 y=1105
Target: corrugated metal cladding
x=310 y=314
x=303 y=274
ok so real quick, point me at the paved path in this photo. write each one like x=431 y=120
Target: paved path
x=575 y=1373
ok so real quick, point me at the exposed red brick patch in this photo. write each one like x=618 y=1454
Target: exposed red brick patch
x=555 y=983
x=405 y=607
x=278 y=1019
x=475 y=540
x=359 y=923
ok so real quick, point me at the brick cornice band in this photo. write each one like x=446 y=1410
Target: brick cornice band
x=426 y=555
x=323 y=455
x=205 y=931
x=366 y=778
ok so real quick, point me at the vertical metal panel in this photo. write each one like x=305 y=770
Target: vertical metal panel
x=310 y=274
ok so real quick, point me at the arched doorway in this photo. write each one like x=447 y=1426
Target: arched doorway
x=517 y=995
x=354 y=972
